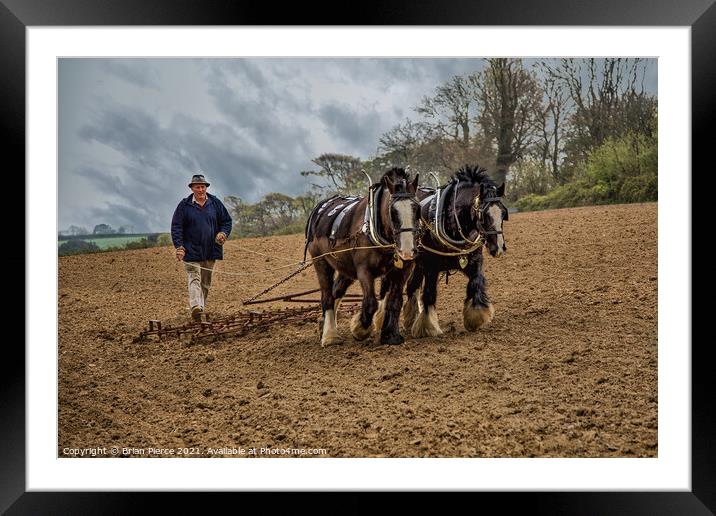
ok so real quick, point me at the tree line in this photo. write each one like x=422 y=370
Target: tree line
x=99 y=229
x=77 y=245
x=562 y=132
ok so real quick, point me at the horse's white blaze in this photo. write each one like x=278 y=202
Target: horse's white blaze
x=406 y=242
x=496 y=216
x=330 y=330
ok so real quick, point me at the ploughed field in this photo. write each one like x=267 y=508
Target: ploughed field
x=567 y=368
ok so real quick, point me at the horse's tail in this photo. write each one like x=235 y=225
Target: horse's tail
x=308 y=231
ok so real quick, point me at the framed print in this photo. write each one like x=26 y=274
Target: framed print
x=579 y=387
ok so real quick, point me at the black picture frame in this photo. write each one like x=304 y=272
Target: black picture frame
x=16 y=15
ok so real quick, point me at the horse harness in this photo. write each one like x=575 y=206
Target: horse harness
x=342 y=210
x=343 y=205
x=436 y=214
x=372 y=215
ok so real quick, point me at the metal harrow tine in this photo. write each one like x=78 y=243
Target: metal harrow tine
x=238 y=324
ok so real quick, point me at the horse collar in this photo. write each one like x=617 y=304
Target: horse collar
x=371 y=226
x=464 y=246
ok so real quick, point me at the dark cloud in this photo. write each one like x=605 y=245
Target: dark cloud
x=158 y=162
x=100 y=179
x=359 y=130
x=250 y=124
x=271 y=144
x=126 y=130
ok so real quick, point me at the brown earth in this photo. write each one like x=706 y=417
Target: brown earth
x=567 y=368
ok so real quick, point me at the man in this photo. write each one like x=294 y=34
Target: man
x=200 y=226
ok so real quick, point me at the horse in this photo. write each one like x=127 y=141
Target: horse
x=363 y=239
x=462 y=217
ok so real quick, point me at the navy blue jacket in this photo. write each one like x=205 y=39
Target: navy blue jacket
x=196 y=228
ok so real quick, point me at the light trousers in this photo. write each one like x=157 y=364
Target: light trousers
x=199 y=281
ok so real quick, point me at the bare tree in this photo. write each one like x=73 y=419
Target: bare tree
x=447 y=135
x=305 y=203
x=422 y=147
x=551 y=120
x=341 y=171
x=280 y=209
x=450 y=110
x=240 y=214
x=608 y=100
x=509 y=98
x=401 y=145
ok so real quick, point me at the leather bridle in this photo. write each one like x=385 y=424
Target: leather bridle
x=480 y=207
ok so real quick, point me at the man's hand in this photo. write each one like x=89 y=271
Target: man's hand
x=180 y=253
x=220 y=238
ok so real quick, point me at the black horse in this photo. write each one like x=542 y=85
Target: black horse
x=462 y=216
x=365 y=238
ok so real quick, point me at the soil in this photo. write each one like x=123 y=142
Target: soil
x=567 y=368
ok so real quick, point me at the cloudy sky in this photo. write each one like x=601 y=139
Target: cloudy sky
x=133 y=131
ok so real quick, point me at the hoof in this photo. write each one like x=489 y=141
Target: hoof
x=426 y=324
x=329 y=335
x=331 y=340
x=410 y=311
x=357 y=330
x=476 y=317
x=379 y=315
x=393 y=339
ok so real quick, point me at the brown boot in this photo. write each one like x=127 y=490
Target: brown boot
x=196 y=313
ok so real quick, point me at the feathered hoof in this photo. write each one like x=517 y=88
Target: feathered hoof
x=331 y=340
x=410 y=311
x=379 y=315
x=357 y=330
x=394 y=339
x=476 y=317
x=426 y=325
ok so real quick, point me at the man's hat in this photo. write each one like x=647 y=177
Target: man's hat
x=198 y=179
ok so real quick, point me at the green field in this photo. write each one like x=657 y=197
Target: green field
x=107 y=242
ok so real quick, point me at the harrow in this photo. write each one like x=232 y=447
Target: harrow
x=236 y=325
x=244 y=322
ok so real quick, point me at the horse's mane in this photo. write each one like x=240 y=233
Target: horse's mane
x=395 y=174
x=474 y=174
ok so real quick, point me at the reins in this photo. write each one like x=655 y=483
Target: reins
x=302 y=264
